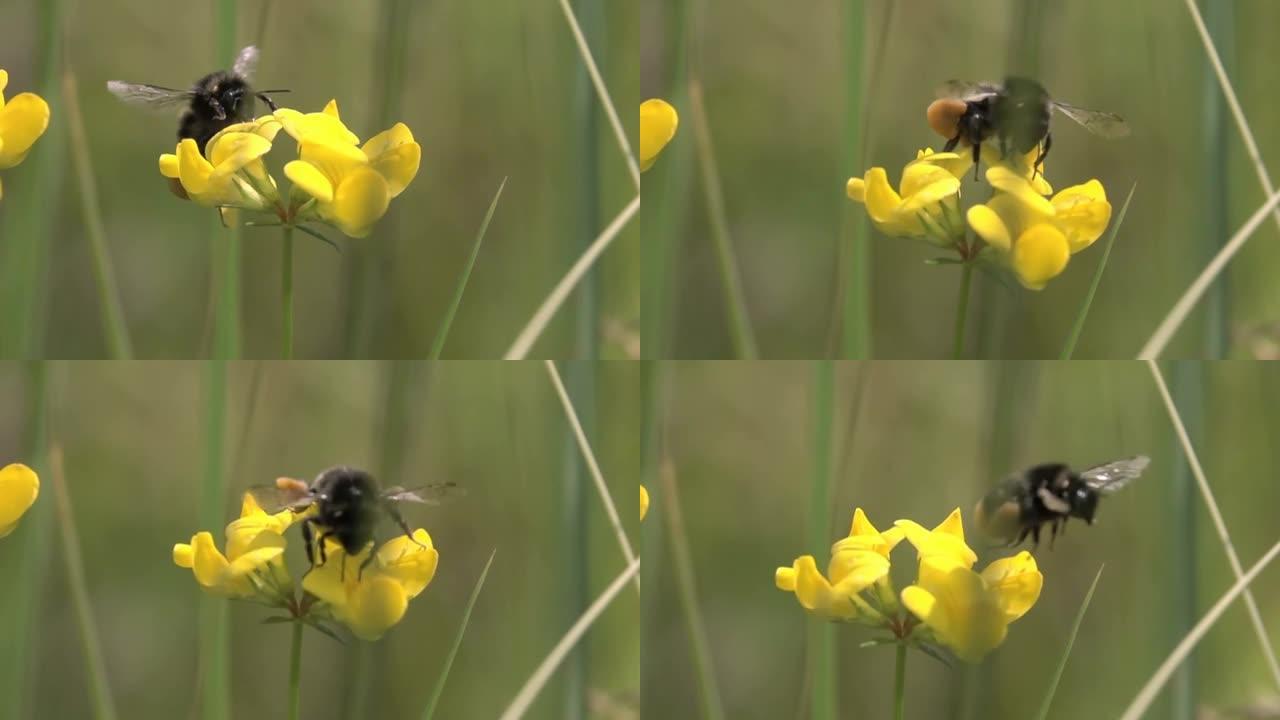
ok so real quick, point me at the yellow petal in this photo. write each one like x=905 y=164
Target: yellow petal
x=234 y=151
x=4 y=83
x=329 y=581
x=169 y=165
x=933 y=182
x=19 y=488
x=658 y=123
x=331 y=108
x=1016 y=582
x=316 y=127
x=1004 y=179
x=193 y=169
x=183 y=555
x=398 y=166
x=853 y=570
x=207 y=562
x=359 y=202
x=335 y=160
x=785 y=578
x=310 y=180
x=881 y=199
x=1040 y=254
x=1082 y=213
x=958 y=164
x=989 y=226
x=377 y=604
x=644 y=502
x=960 y=612
x=22 y=121
x=947 y=539
x=856 y=189
x=387 y=140
x=411 y=563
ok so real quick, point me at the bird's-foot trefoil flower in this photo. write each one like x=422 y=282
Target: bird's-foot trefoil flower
x=644 y=502
x=336 y=180
x=19 y=488
x=368 y=597
x=927 y=203
x=23 y=119
x=948 y=608
x=658 y=123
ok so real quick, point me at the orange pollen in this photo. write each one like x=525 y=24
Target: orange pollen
x=944 y=116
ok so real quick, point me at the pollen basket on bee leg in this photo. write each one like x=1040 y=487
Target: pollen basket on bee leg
x=944 y=116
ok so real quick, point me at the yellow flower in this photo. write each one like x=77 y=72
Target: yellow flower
x=19 y=486
x=372 y=598
x=858 y=562
x=945 y=540
x=658 y=122
x=644 y=502
x=927 y=205
x=230 y=173
x=253 y=565
x=22 y=121
x=352 y=186
x=970 y=612
x=1037 y=235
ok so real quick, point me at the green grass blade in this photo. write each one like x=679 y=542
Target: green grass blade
x=1070 y=347
x=821 y=646
x=855 y=338
x=100 y=689
x=215 y=641
x=113 y=323
x=225 y=241
x=437 y=345
x=430 y=710
x=1066 y=653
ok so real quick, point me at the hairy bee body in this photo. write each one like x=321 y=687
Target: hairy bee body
x=218 y=99
x=1045 y=494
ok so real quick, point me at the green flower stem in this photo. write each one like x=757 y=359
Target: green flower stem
x=295 y=672
x=286 y=290
x=962 y=309
x=900 y=683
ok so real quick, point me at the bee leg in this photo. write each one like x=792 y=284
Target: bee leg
x=951 y=144
x=1035 y=537
x=399 y=520
x=1054 y=537
x=1044 y=153
x=365 y=564
x=308 y=542
x=1021 y=536
x=977 y=155
x=270 y=103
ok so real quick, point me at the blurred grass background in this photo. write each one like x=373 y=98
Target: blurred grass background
x=775 y=79
x=133 y=439
x=915 y=440
x=489 y=90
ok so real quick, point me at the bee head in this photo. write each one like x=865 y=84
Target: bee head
x=1084 y=501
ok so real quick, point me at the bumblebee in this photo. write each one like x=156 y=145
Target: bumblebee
x=215 y=101
x=346 y=506
x=1015 y=114
x=1050 y=493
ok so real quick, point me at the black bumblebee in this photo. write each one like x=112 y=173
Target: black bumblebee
x=348 y=505
x=217 y=100
x=1016 y=114
x=1050 y=493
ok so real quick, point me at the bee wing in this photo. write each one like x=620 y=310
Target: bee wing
x=277 y=497
x=1112 y=476
x=1102 y=124
x=427 y=494
x=246 y=62
x=966 y=89
x=149 y=95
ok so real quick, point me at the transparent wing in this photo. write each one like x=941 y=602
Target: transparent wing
x=1114 y=475
x=966 y=89
x=1102 y=124
x=427 y=494
x=149 y=95
x=246 y=62
x=284 y=494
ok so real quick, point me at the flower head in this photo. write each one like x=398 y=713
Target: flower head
x=658 y=122
x=253 y=566
x=1035 y=235
x=22 y=121
x=19 y=486
x=926 y=204
x=369 y=595
x=858 y=562
x=230 y=171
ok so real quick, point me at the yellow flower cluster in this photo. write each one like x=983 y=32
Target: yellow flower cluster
x=368 y=599
x=22 y=121
x=19 y=488
x=1025 y=226
x=949 y=604
x=658 y=122
x=336 y=180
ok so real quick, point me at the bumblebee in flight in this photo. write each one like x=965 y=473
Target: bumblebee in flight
x=1015 y=114
x=1050 y=493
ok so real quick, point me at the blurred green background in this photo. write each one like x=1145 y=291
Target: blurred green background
x=134 y=439
x=916 y=440
x=777 y=81
x=490 y=90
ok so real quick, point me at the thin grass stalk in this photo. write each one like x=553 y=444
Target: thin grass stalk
x=962 y=310
x=686 y=583
x=295 y=672
x=1185 y=304
x=1070 y=347
x=821 y=647
x=1214 y=203
x=286 y=291
x=585 y=199
x=735 y=302
x=1151 y=690
x=900 y=682
x=575 y=549
x=215 y=641
x=653 y=530
x=547 y=310
x=17 y=654
x=429 y=710
x=114 y=328
x=28 y=224
x=856 y=312
x=437 y=344
x=99 y=689
x=1197 y=471
x=1066 y=653
x=225 y=241
x=538 y=680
